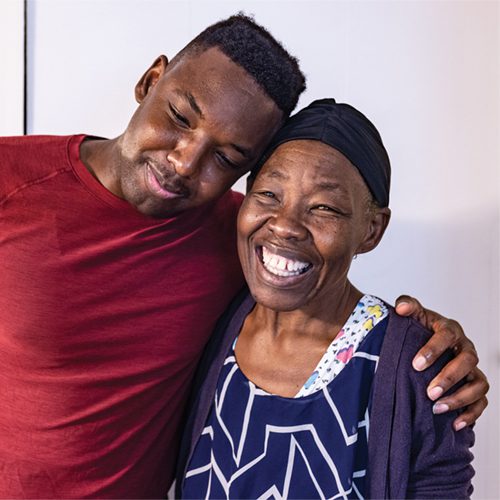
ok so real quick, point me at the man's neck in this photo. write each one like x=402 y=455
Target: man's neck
x=98 y=156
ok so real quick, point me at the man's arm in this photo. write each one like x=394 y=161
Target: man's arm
x=448 y=334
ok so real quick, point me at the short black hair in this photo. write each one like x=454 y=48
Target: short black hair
x=253 y=48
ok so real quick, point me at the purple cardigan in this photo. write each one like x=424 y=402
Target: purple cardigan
x=412 y=453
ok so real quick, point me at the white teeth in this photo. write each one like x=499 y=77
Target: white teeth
x=273 y=261
x=281 y=266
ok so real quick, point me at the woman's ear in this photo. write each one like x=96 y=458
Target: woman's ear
x=377 y=224
x=150 y=78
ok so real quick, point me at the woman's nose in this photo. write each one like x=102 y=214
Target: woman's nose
x=286 y=224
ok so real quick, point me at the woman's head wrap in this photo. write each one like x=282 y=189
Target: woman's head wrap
x=347 y=130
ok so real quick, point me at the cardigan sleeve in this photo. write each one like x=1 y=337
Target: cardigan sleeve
x=440 y=459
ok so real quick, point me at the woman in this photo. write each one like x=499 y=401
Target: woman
x=308 y=390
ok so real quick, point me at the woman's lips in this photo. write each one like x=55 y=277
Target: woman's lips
x=281 y=268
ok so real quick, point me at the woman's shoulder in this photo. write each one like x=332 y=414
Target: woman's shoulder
x=404 y=337
x=403 y=424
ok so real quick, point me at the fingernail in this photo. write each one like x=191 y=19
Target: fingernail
x=435 y=392
x=419 y=363
x=401 y=304
x=460 y=426
x=439 y=408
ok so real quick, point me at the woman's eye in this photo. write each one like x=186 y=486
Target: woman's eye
x=266 y=194
x=327 y=209
x=180 y=118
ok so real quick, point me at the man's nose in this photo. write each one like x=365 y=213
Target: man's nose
x=287 y=224
x=186 y=156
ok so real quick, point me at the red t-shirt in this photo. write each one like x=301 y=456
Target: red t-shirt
x=103 y=315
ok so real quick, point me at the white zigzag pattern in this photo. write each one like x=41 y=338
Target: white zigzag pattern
x=365 y=355
x=270 y=429
x=348 y=439
x=219 y=403
x=273 y=491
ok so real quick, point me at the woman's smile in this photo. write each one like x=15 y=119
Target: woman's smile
x=300 y=225
x=281 y=267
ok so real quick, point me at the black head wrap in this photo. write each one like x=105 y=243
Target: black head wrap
x=347 y=130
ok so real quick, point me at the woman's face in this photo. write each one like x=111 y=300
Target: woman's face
x=306 y=215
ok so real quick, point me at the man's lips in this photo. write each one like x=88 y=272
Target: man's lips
x=160 y=187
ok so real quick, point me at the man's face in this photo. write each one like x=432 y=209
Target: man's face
x=202 y=122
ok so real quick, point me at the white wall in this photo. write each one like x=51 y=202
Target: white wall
x=426 y=72
x=12 y=67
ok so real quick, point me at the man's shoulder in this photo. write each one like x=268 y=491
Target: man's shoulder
x=32 y=148
x=26 y=159
x=233 y=199
x=228 y=206
x=24 y=144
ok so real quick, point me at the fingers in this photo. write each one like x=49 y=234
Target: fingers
x=472 y=395
x=469 y=416
x=447 y=334
x=469 y=393
x=455 y=370
x=408 y=306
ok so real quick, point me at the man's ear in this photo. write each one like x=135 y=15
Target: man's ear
x=149 y=79
x=378 y=222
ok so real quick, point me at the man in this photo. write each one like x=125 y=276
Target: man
x=118 y=256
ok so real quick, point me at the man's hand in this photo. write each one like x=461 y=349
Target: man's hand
x=448 y=334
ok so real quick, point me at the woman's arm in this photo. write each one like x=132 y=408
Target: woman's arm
x=413 y=453
x=440 y=462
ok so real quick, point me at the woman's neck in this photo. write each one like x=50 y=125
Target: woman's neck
x=278 y=350
x=322 y=325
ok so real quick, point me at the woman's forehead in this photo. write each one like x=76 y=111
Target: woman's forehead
x=310 y=153
x=313 y=158
x=311 y=165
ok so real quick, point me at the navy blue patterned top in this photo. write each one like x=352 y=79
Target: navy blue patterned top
x=259 y=445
